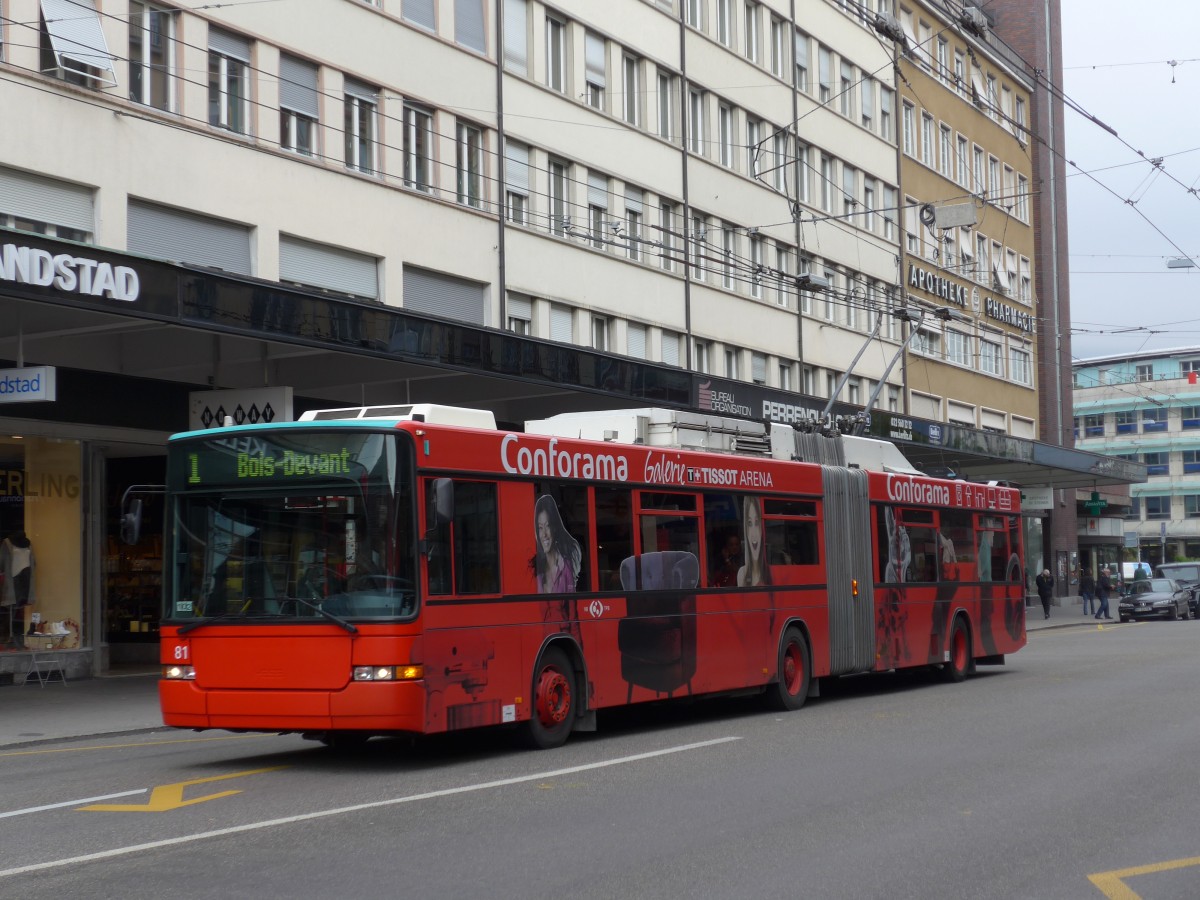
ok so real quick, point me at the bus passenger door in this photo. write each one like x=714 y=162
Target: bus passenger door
x=848 y=559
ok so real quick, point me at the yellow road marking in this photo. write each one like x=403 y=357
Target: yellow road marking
x=166 y=797
x=1112 y=884
x=231 y=737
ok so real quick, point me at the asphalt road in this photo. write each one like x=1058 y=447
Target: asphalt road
x=1063 y=775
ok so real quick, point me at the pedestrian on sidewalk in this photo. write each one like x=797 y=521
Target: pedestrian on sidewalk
x=1045 y=589
x=1087 y=590
x=1103 y=586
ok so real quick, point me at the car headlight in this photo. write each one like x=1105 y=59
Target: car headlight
x=1164 y=602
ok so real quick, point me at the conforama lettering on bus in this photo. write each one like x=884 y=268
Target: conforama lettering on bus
x=293 y=464
x=554 y=463
x=904 y=489
x=75 y=274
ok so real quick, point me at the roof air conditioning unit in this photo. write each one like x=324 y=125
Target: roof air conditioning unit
x=974 y=20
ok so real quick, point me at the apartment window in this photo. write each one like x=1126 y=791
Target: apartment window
x=885 y=112
x=594 y=70
x=516 y=182
x=1154 y=418
x=960 y=69
x=1191 y=506
x=991 y=358
x=633 y=222
x=556 y=54
x=946 y=160
x=666 y=105
x=927 y=139
x=1158 y=507
x=962 y=175
x=702 y=356
x=867 y=103
x=72 y=44
x=559 y=219
x=731 y=363
x=41 y=205
x=1187 y=366
x=635 y=340
x=802 y=41
x=993 y=98
x=696 y=122
x=757 y=269
x=519 y=314
x=1144 y=373
x=419 y=12
x=516 y=35
x=753 y=31
x=825 y=73
x=1191 y=461
x=1135 y=508
x=1022 y=371
x=983 y=266
x=912 y=228
x=725 y=22
x=980 y=174
x=418 y=147
x=785 y=376
x=846 y=90
x=228 y=81
x=632 y=105
x=803 y=168
x=597 y=208
x=672 y=347
x=783 y=265
x=725 y=134
x=361 y=111
x=151 y=55
x=910 y=136
x=868 y=219
x=849 y=189
x=666 y=220
x=943 y=67
x=778 y=47
x=994 y=183
x=1020 y=117
x=1126 y=421
x=599 y=333
x=298 y=107
x=468 y=25
x=469 y=164
x=780 y=162
x=753 y=139
x=1022 y=198
x=826 y=183
x=1189 y=417
x=958 y=347
x=728 y=249
x=808 y=381
x=697 y=246
x=890 y=212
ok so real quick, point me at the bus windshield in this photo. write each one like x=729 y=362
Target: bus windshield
x=328 y=546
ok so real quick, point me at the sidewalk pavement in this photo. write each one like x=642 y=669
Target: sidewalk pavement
x=128 y=702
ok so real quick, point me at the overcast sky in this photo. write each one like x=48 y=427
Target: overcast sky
x=1124 y=298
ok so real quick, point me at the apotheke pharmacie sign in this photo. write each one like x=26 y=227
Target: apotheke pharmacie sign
x=68 y=273
x=939 y=286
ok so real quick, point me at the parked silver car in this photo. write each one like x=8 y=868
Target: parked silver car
x=1156 y=598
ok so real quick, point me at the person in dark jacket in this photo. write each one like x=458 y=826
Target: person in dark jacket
x=1087 y=590
x=1045 y=589
x=1103 y=585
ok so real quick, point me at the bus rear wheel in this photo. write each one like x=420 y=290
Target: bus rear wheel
x=959 y=664
x=554 y=699
x=795 y=673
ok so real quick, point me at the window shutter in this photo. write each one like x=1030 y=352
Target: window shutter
x=361 y=91
x=28 y=196
x=468 y=24
x=298 y=85
x=636 y=341
x=186 y=237
x=444 y=295
x=331 y=268
x=76 y=35
x=520 y=307
x=516 y=35
x=670 y=348
x=419 y=12
x=229 y=44
x=633 y=199
x=594 y=59
x=597 y=190
x=560 y=324
x=758 y=368
x=516 y=168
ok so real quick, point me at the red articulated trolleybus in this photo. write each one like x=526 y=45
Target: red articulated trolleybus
x=413 y=569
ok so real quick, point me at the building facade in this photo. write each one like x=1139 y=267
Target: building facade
x=1145 y=408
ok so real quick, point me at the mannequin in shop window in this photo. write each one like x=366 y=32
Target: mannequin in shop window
x=16 y=566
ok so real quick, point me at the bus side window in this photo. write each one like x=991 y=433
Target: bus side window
x=437 y=541
x=614 y=534
x=476 y=538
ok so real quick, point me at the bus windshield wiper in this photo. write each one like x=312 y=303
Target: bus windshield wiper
x=336 y=620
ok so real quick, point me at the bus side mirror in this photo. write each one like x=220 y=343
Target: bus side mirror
x=131 y=522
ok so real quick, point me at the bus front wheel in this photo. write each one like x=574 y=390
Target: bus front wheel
x=553 y=713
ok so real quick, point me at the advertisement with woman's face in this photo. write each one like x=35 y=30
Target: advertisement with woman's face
x=559 y=556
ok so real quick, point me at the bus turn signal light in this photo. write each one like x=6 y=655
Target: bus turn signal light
x=388 y=673
x=854 y=586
